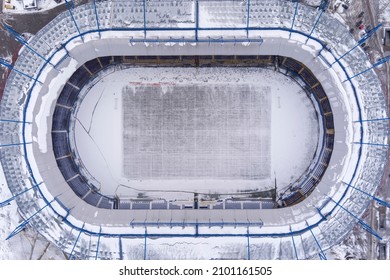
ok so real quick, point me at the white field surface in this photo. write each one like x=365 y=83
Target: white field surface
x=292 y=132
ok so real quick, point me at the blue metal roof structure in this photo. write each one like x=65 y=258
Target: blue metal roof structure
x=197 y=38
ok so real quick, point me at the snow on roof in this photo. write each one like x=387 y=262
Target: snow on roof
x=29 y=4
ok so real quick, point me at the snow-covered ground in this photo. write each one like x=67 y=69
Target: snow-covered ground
x=355 y=246
x=9 y=219
x=314 y=3
x=28 y=244
x=29 y=6
x=256 y=150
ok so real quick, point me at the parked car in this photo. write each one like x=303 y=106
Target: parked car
x=358 y=23
x=9 y=7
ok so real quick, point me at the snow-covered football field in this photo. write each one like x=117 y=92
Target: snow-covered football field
x=194 y=129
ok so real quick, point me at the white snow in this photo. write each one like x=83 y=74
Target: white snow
x=8 y=221
x=27 y=244
x=43 y=114
x=102 y=157
x=30 y=6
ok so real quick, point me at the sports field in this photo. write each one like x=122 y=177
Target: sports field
x=196 y=131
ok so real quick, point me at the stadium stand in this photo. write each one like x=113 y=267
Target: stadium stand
x=307 y=183
x=93 y=66
x=60 y=144
x=80 y=77
x=68 y=96
x=124 y=205
x=92 y=198
x=251 y=205
x=68 y=168
x=159 y=205
x=232 y=205
x=60 y=133
x=218 y=206
x=61 y=119
x=140 y=205
x=79 y=186
x=106 y=203
x=173 y=206
x=105 y=61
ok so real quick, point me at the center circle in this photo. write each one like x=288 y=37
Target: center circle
x=172 y=131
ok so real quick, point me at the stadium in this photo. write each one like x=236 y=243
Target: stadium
x=228 y=129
